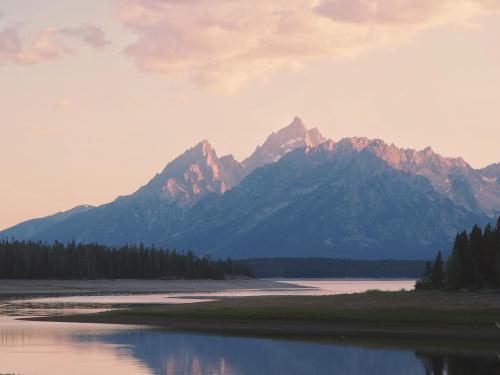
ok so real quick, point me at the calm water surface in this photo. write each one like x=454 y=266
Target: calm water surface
x=69 y=348
x=303 y=287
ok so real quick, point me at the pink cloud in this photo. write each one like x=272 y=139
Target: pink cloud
x=387 y=11
x=47 y=44
x=401 y=11
x=91 y=35
x=10 y=44
x=224 y=44
x=42 y=46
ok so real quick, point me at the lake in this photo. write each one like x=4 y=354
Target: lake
x=30 y=348
x=296 y=287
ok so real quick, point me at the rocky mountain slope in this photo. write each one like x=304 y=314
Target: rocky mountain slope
x=325 y=201
x=294 y=136
x=452 y=177
x=297 y=195
x=32 y=227
x=190 y=177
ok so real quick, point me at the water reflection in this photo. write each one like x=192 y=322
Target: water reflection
x=459 y=364
x=316 y=287
x=65 y=348
x=51 y=348
x=57 y=348
x=179 y=354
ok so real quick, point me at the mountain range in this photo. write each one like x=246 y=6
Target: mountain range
x=298 y=194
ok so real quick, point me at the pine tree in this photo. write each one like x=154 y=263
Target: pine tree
x=489 y=256
x=496 y=251
x=425 y=282
x=477 y=255
x=466 y=259
x=437 y=277
x=454 y=271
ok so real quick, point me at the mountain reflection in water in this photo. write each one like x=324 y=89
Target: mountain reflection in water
x=53 y=348
x=181 y=353
x=30 y=348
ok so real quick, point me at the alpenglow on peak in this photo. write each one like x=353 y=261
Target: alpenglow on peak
x=294 y=136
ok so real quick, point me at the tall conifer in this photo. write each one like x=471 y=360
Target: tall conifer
x=438 y=272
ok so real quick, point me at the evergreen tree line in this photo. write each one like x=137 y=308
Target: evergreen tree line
x=474 y=262
x=37 y=260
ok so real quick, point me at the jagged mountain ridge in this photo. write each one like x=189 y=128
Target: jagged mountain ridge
x=452 y=177
x=294 y=136
x=199 y=171
x=189 y=177
x=147 y=213
x=188 y=204
x=338 y=201
x=491 y=172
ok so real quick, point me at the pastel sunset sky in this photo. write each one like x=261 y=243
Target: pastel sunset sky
x=98 y=95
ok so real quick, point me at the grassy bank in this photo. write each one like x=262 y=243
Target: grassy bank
x=426 y=315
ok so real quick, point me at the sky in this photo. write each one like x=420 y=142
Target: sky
x=99 y=95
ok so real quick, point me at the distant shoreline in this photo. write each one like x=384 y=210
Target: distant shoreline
x=13 y=288
x=381 y=315
x=26 y=288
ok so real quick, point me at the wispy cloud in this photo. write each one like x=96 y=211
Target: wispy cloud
x=17 y=47
x=40 y=47
x=226 y=43
x=62 y=104
x=91 y=35
x=423 y=13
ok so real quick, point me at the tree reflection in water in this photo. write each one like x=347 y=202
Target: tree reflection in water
x=458 y=364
